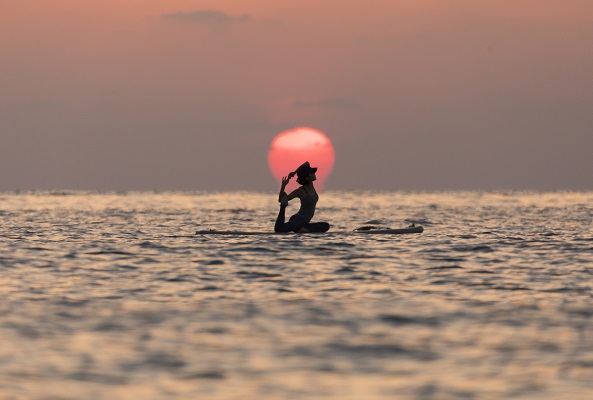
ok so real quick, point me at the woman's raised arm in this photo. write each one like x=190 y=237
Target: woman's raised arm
x=285 y=180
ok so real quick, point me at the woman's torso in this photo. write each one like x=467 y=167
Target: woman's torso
x=308 y=203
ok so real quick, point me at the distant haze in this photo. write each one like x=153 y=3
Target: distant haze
x=188 y=95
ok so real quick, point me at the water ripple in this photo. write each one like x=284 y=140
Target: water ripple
x=112 y=296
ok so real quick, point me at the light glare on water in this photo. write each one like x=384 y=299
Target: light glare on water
x=112 y=296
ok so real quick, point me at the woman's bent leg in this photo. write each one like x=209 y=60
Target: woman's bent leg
x=317 y=227
x=293 y=224
x=279 y=225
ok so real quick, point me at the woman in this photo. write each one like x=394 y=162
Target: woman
x=301 y=221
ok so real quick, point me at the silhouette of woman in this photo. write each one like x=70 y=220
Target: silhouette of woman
x=301 y=221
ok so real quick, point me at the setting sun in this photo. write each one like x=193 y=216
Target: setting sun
x=291 y=148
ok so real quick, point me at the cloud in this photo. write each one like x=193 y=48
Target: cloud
x=331 y=102
x=209 y=17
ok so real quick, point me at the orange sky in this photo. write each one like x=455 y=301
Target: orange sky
x=443 y=94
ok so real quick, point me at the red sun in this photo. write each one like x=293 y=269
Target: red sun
x=293 y=147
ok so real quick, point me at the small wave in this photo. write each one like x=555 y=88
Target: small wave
x=209 y=288
x=398 y=319
x=567 y=289
x=204 y=375
x=257 y=275
x=38 y=249
x=85 y=376
x=109 y=326
x=444 y=268
x=383 y=351
x=105 y=252
x=211 y=262
x=251 y=249
x=128 y=267
x=179 y=278
x=511 y=287
x=480 y=248
x=345 y=270
x=164 y=361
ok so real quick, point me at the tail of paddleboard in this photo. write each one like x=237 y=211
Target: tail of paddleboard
x=388 y=231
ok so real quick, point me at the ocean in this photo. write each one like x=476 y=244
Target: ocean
x=112 y=296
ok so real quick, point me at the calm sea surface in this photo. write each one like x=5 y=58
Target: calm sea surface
x=111 y=296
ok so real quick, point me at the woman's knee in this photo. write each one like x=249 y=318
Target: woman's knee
x=319 y=227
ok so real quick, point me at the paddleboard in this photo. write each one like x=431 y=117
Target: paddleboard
x=359 y=231
x=389 y=231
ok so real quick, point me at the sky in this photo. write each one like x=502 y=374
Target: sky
x=189 y=94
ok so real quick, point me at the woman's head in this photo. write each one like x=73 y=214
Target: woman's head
x=305 y=173
x=304 y=180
